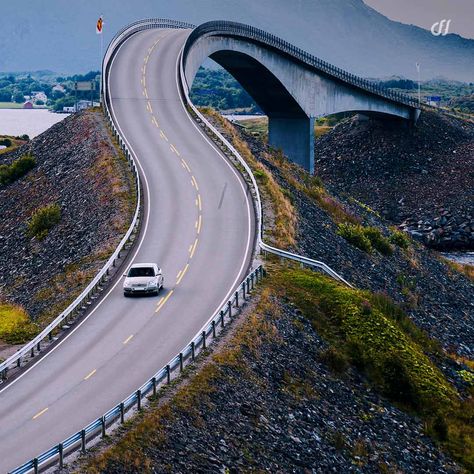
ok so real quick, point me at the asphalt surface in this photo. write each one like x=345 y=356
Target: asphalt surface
x=198 y=226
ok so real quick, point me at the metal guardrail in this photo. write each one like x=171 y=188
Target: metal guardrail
x=262 y=245
x=79 y=440
x=34 y=346
x=213 y=28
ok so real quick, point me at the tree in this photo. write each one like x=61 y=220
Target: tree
x=5 y=95
x=19 y=98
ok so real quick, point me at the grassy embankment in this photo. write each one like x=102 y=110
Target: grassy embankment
x=108 y=168
x=366 y=331
x=15 y=142
x=10 y=105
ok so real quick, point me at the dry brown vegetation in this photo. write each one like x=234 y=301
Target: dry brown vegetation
x=283 y=230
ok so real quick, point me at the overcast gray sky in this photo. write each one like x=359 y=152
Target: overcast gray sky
x=426 y=12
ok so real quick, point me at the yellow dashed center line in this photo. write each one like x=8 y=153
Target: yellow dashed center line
x=178 y=281
x=42 y=412
x=174 y=150
x=88 y=376
x=162 y=135
x=199 y=202
x=179 y=274
x=129 y=338
x=199 y=224
x=185 y=165
x=163 y=301
x=155 y=122
x=193 y=179
x=194 y=248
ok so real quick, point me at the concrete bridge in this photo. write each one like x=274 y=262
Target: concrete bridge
x=291 y=86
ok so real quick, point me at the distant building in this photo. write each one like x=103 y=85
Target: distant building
x=59 y=88
x=28 y=104
x=69 y=110
x=36 y=96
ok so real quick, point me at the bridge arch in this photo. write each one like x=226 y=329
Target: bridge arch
x=291 y=86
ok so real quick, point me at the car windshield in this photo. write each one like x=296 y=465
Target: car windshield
x=141 y=272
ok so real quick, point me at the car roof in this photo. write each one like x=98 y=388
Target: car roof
x=143 y=265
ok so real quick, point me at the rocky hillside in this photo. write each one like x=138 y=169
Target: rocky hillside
x=269 y=402
x=78 y=187
x=414 y=277
x=422 y=178
x=319 y=377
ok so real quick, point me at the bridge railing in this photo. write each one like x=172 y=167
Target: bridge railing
x=33 y=347
x=284 y=254
x=79 y=440
x=213 y=28
x=98 y=428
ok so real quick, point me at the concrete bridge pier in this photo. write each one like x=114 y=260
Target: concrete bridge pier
x=295 y=137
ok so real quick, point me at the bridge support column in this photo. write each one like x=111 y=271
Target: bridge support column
x=295 y=136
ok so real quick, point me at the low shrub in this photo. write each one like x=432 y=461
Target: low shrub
x=335 y=360
x=15 y=325
x=18 y=169
x=6 y=142
x=400 y=239
x=355 y=235
x=365 y=238
x=378 y=241
x=43 y=220
x=260 y=176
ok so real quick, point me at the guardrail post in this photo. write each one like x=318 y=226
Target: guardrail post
x=168 y=374
x=102 y=425
x=122 y=413
x=229 y=306
x=18 y=362
x=4 y=373
x=193 y=351
x=139 y=400
x=180 y=361
x=248 y=285
x=35 y=465
x=61 y=455
x=204 y=340
x=83 y=441
x=243 y=290
x=214 y=329
x=222 y=319
x=251 y=279
x=38 y=346
x=153 y=382
x=32 y=352
x=237 y=299
x=50 y=335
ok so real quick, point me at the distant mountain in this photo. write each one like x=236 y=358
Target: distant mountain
x=60 y=35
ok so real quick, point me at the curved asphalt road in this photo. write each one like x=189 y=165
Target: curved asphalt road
x=199 y=227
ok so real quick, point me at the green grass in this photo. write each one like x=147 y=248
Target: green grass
x=375 y=335
x=365 y=238
x=15 y=325
x=400 y=238
x=16 y=170
x=10 y=105
x=43 y=220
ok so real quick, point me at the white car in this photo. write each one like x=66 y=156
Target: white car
x=143 y=278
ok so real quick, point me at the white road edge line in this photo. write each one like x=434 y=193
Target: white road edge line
x=131 y=261
x=239 y=179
